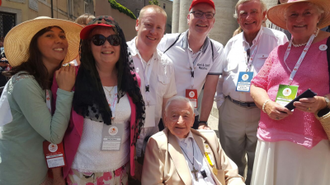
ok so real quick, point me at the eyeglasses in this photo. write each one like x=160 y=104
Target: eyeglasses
x=99 y=40
x=199 y=14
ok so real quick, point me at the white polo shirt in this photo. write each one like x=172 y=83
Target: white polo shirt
x=205 y=61
x=161 y=81
x=235 y=61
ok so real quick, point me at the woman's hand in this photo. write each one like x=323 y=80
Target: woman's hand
x=276 y=111
x=310 y=104
x=66 y=77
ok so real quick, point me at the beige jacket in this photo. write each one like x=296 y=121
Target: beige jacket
x=164 y=162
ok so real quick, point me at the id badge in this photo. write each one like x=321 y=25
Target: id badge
x=54 y=154
x=244 y=81
x=150 y=116
x=286 y=93
x=191 y=94
x=112 y=136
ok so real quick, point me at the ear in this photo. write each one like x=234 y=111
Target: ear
x=137 y=25
x=165 y=119
x=264 y=15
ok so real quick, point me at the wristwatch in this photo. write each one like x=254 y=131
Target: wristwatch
x=327 y=101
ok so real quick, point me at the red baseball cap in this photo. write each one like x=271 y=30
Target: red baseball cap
x=103 y=21
x=195 y=2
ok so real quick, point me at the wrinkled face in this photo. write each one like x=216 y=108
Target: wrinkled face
x=302 y=19
x=106 y=53
x=200 y=25
x=250 y=17
x=150 y=28
x=179 y=118
x=53 y=46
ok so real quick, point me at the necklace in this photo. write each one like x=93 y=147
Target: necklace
x=194 y=171
x=303 y=44
x=109 y=91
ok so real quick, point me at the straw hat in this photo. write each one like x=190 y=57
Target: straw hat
x=18 y=39
x=277 y=13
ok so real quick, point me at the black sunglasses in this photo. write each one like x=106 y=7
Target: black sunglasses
x=99 y=40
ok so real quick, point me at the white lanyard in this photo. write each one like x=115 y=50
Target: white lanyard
x=48 y=102
x=192 y=65
x=301 y=58
x=253 y=53
x=112 y=101
x=147 y=74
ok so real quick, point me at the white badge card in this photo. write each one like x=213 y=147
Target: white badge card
x=286 y=93
x=244 y=81
x=112 y=136
x=150 y=116
x=191 y=94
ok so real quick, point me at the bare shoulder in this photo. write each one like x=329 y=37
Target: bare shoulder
x=321 y=36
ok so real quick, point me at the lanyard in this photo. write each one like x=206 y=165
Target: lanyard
x=301 y=58
x=147 y=74
x=253 y=54
x=112 y=101
x=192 y=65
x=48 y=102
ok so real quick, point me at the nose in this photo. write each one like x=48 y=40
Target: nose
x=153 y=30
x=58 y=39
x=180 y=120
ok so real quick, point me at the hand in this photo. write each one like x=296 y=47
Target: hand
x=58 y=181
x=310 y=104
x=203 y=126
x=276 y=111
x=138 y=171
x=66 y=77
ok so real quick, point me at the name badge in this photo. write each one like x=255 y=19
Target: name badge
x=191 y=94
x=150 y=116
x=244 y=81
x=54 y=154
x=111 y=137
x=286 y=93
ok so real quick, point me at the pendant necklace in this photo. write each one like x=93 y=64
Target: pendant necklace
x=194 y=171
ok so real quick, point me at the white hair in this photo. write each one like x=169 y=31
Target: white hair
x=180 y=99
x=262 y=4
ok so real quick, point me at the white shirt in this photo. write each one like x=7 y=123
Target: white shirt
x=235 y=61
x=181 y=55
x=161 y=85
x=89 y=156
x=191 y=152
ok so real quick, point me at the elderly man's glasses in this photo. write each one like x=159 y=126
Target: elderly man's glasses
x=99 y=40
x=199 y=14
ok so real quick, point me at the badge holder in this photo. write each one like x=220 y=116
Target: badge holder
x=111 y=137
x=286 y=93
x=244 y=81
x=191 y=94
x=54 y=154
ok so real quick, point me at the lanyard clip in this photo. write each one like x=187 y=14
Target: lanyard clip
x=192 y=74
x=147 y=88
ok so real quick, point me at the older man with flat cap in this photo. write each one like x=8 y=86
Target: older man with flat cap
x=180 y=155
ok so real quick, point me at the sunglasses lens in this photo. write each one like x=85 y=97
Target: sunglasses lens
x=114 y=40
x=98 y=40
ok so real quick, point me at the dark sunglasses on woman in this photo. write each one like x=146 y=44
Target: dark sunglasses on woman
x=99 y=40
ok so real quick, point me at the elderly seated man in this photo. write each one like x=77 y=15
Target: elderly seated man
x=181 y=155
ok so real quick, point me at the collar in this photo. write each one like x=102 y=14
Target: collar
x=135 y=52
x=255 y=40
x=185 y=140
x=185 y=44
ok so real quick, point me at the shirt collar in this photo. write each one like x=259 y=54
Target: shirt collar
x=185 y=140
x=255 y=40
x=135 y=52
x=185 y=44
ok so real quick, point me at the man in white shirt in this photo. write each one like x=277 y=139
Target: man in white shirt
x=179 y=155
x=244 y=55
x=155 y=70
x=196 y=58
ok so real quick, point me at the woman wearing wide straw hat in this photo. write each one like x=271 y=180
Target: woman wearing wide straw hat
x=293 y=147
x=35 y=49
x=107 y=111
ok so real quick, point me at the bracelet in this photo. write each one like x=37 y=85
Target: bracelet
x=205 y=122
x=264 y=105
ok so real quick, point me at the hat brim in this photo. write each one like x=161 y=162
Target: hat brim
x=87 y=29
x=277 y=13
x=18 y=39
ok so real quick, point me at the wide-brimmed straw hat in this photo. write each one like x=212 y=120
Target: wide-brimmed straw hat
x=277 y=13
x=18 y=39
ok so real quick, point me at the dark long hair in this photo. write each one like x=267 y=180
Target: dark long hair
x=89 y=99
x=34 y=65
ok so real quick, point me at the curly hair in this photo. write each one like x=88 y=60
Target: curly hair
x=89 y=99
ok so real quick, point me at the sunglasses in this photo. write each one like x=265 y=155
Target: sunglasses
x=99 y=40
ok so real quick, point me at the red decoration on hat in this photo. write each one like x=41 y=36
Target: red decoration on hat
x=195 y=2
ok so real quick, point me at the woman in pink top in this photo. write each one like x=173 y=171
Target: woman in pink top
x=108 y=109
x=293 y=147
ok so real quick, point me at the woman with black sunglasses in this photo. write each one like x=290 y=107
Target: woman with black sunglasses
x=108 y=109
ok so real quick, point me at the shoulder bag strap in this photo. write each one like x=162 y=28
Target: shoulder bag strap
x=176 y=40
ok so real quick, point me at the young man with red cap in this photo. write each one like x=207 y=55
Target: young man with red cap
x=196 y=58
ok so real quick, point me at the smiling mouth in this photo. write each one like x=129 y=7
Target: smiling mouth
x=107 y=52
x=202 y=25
x=151 y=38
x=58 y=49
x=250 y=23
